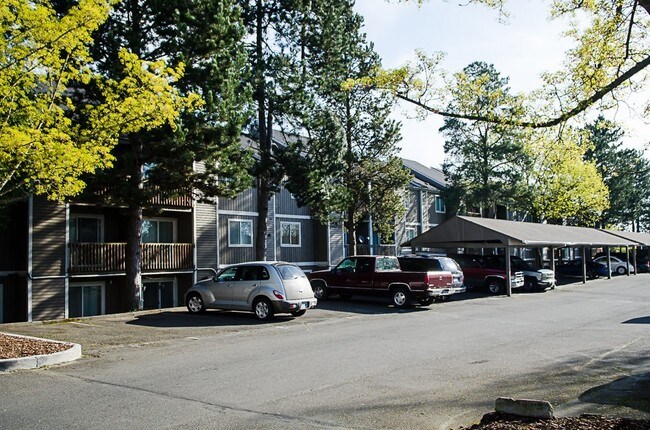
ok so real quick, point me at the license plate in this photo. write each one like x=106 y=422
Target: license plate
x=444 y=292
x=304 y=305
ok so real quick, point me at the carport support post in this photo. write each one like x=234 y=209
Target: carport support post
x=634 y=260
x=508 y=275
x=609 y=264
x=584 y=264
x=627 y=259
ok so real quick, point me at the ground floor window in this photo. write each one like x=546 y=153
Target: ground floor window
x=86 y=300
x=159 y=294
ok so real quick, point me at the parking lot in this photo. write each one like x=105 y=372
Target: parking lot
x=347 y=364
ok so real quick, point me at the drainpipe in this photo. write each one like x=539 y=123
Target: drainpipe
x=508 y=273
x=66 y=265
x=30 y=239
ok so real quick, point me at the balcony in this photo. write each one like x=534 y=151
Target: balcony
x=110 y=257
x=183 y=199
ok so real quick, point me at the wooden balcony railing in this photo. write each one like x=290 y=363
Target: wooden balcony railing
x=110 y=257
x=182 y=200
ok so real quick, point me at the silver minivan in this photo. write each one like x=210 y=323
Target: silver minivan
x=263 y=287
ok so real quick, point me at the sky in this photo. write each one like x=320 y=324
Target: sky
x=523 y=48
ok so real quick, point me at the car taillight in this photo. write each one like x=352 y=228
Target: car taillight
x=278 y=294
x=426 y=279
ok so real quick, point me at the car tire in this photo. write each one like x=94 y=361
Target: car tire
x=263 y=309
x=400 y=297
x=621 y=270
x=496 y=286
x=426 y=302
x=530 y=284
x=195 y=303
x=320 y=290
x=298 y=313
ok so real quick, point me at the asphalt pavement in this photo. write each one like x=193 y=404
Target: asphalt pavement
x=362 y=364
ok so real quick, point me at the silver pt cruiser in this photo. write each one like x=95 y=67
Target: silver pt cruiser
x=263 y=287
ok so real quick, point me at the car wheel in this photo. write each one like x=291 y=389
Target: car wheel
x=401 y=297
x=320 y=291
x=530 y=284
x=496 y=286
x=263 y=309
x=195 y=303
x=298 y=313
x=591 y=274
x=426 y=302
x=621 y=270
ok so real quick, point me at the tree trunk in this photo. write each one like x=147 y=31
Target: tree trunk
x=352 y=234
x=134 y=257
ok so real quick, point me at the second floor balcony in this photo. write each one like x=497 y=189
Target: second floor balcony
x=86 y=258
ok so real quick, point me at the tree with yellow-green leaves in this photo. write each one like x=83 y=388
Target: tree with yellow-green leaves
x=609 y=61
x=47 y=142
x=562 y=185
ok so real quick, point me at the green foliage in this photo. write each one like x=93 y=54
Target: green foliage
x=482 y=160
x=626 y=174
x=201 y=151
x=562 y=186
x=610 y=61
x=348 y=150
x=48 y=141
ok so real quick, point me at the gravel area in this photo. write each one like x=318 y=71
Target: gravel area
x=17 y=347
x=497 y=421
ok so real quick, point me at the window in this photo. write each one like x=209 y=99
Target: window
x=86 y=229
x=157 y=231
x=240 y=232
x=411 y=232
x=440 y=205
x=290 y=234
x=85 y=300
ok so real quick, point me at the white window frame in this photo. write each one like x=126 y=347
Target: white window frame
x=240 y=245
x=160 y=219
x=444 y=206
x=290 y=224
x=74 y=219
x=101 y=284
x=406 y=232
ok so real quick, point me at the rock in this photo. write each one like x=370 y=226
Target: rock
x=524 y=407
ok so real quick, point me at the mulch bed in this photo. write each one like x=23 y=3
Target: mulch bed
x=499 y=421
x=17 y=347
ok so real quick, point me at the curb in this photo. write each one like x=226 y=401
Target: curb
x=36 y=361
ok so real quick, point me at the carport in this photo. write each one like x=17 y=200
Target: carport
x=470 y=232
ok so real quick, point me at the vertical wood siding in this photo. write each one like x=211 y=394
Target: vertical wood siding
x=287 y=205
x=48 y=299
x=206 y=236
x=246 y=201
x=235 y=254
x=48 y=259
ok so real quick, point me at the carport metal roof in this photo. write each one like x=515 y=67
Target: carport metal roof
x=470 y=232
x=639 y=238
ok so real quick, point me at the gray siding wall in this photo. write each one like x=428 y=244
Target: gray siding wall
x=48 y=259
x=234 y=254
x=287 y=205
x=308 y=241
x=337 y=239
x=207 y=242
x=246 y=201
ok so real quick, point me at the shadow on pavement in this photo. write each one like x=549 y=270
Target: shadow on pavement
x=211 y=318
x=640 y=320
x=631 y=392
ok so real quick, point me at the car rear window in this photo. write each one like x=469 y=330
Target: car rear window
x=288 y=271
x=386 y=263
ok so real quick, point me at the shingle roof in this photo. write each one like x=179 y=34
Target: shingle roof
x=429 y=175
